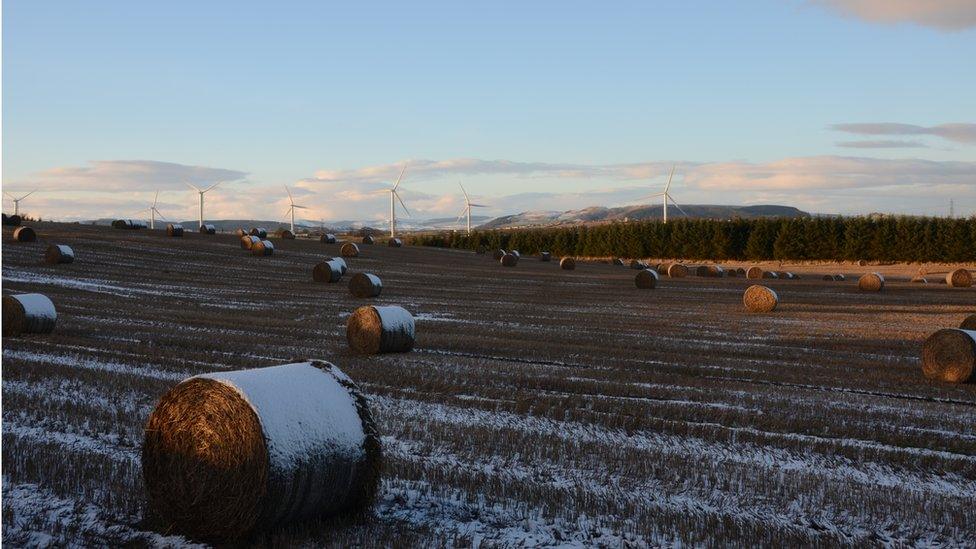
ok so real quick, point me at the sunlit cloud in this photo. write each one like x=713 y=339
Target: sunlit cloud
x=882 y=144
x=946 y=15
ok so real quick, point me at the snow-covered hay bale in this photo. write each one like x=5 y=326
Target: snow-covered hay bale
x=365 y=285
x=498 y=254
x=262 y=247
x=959 y=278
x=380 y=329
x=509 y=260
x=618 y=262
x=341 y=262
x=349 y=250
x=677 y=270
x=368 y=240
x=285 y=234
x=394 y=243
x=230 y=453
x=919 y=279
x=25 y=234
x=567 y=263
x=759 y=299
x=242 y=232
x=710 y=271
x=248 y=242
x=829 y=277
x=636 y=265
x=545 y=256
x=950 y=355
x=646 y=279
x=328 y=239
x=327 y=271
x=516 y=253
x=770 y=274
x=208 y=229
x=259 y=232
x=59 y=253
x=754 y=273
x=28 y=314
x=840 y=277
x=122 y=224
x=871 y=282
x=175 y=230
x=968 y=323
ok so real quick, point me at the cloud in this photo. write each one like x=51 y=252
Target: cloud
x=958 y=132
x=131 y=175
x=882 y=144
x=946 y=15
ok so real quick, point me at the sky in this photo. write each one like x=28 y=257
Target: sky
x=832 y=106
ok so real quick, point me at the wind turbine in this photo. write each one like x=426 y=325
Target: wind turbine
x=467 y=207
x=17 y=200
x=291 y=209
x=153 y=211
x=666 y=195
x=197 y=189
x=394 y=198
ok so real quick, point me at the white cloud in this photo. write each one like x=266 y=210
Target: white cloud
x=131 y=175
x=948 y=15
x=882 y=144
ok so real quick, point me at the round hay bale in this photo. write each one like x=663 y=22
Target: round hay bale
x=741 y=271
x=248 y=242
x=759 y=299
x=567 y=263
x=754 y=272
x=259 y=232
x=862 y=263
x=25 y=234
x=394 y=243
x=365 y=285
x=242 y=232
x=871 y=282
x=959 y=278
x=368 y=240
x=509 y=260
x=14 y=220
x=702 y=270
x=122 y=224
x=968 y=323
x=497 y=254
x=341 y=262
x=262 y=247
x=714 y=271
x=635 y=264
x=646 y=279
x=829 y=277
x=545 y=256
x=769 y=274
x=840 y=277
x=328 y=239
x=516 y=253
x=732 y=273
x=618 y=262
x=918 y=279
x=661 y=268
x=208 y=229
x=787 y=275
x=230 y=453
x=349 y=250
x=950 y=355
x=28 y=314
x=677 y=270
x=327 y=271
x=380 y=329
x=59 y=253
x=285 y=234
x=176 y=230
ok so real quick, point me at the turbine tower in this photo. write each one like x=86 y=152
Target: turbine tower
x=666 y=195
x=291 y=209
x=467 y=207
x=17 y=200
x=153 y=211
x=394 y=198
x=197 y=189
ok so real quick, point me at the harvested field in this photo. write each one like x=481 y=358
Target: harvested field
x=538 y=406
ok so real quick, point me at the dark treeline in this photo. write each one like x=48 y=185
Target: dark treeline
x=819 y=238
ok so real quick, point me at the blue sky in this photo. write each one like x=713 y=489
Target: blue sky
x=533 y=105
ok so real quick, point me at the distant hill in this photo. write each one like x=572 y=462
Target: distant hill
x=599 y=214
x=406 y=223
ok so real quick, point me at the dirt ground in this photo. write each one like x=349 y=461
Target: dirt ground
x=539 y=407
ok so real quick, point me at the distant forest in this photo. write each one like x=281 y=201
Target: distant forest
x=882 y=238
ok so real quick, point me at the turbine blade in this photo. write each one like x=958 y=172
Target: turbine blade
x=26 y=195
x=399 y=177
x=466 y=199
x=677 y=206
x=290 y=199
x=464 y=211
x=155 y=199
x=670 y=175
x=192 y=186
x=299 y=207
x=212 y=186
x=477 y=206
x=160 y=214
x=12 y=197
x=397 y=195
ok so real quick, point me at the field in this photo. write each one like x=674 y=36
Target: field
x=539 y=407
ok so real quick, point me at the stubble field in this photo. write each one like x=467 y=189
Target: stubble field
x=539 y=406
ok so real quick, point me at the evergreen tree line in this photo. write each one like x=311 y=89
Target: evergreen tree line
x=886 y=238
